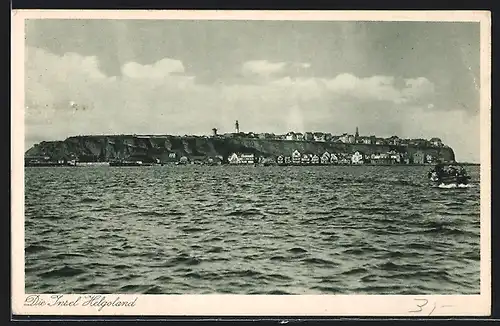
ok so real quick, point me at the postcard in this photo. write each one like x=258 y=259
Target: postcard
x=251 y=163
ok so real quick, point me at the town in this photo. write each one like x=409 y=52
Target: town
x=392 y=156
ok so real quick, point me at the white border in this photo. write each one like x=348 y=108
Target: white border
x=254 y=305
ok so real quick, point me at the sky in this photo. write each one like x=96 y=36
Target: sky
x=410 y=79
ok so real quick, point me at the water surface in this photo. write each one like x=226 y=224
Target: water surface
x=249 y=230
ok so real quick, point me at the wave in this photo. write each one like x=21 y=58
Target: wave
x=297 y=250
x=454 y=186
x=35 y=248
x=89 y=200
x=247 y=212
x=65 y=271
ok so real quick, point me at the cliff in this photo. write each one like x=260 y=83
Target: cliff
x=116 y=147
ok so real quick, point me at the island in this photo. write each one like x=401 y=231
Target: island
x=292 y=148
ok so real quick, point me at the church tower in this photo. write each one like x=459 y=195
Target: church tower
x=357 y=133
x=237 y=127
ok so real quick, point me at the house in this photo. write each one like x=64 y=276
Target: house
x=234 y=159
x=305 y=159
x=344 y=159
x=183 y=160
x=315 y=159
x=247 y=158
x=325 y=158
x=357 y=158
x=418 y=157
x=365 y=140
x=344 y=138
x=328 y=136
x=300 y=136
x=288 y=160
x=395 y=157
x=319 y=136
x=291 y=136
x=351 y=139
x=308 y=136
x=334 y=159
x=380 y=141
x=394 y=140
x=296 y=157
x=280 y=159
x=214 y=161
x=429 y=158
x=436 y=142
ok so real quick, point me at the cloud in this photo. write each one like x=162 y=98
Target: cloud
x=160 y=99
x=159 y=69
x=262 y=67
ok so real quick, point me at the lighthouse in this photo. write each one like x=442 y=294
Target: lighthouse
x=237 y=127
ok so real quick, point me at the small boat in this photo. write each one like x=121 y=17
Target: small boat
x=449 y=174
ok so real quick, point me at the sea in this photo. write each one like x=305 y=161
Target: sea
x=249 y=230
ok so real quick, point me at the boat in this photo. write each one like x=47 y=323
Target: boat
x=449 y=174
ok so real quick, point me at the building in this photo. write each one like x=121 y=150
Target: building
x=280 y=159
x=344 y=159
x=247 y=158
x=357 y=158
x=395 y=157
x=394 y=140
x=436 y=142
x=419 y=157
x=296 y=157
x=315 y=159
x=429 y=159
x=365 y=140
x=325 y=158
x=344 y=138
x=308 y=136
x=305 y=159
x=291 y=136
x=237 y=127
x=300 y=136
x=328 y=136
x=214 y=132
x=234 y=159
x=288 y=160
x=183 y=160
x=334 y=159
x=319 y=136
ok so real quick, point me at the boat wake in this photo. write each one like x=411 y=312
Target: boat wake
x=454 y=185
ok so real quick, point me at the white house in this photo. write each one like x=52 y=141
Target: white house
x=436 y=142
x=334 y=159
x=234 y=159
x=305 y=159
x=288 y=160
x=357 y=158
x=296 y=157
x=280 y=159
x=291 y=136
x=325 y=158
x=247 y=158
x=315 y=159
x=319 y=136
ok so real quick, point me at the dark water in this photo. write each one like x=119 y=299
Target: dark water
x=265 y=230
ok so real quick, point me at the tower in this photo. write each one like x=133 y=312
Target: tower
x=237 y=127
x=357 y=133
x=214 y=130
